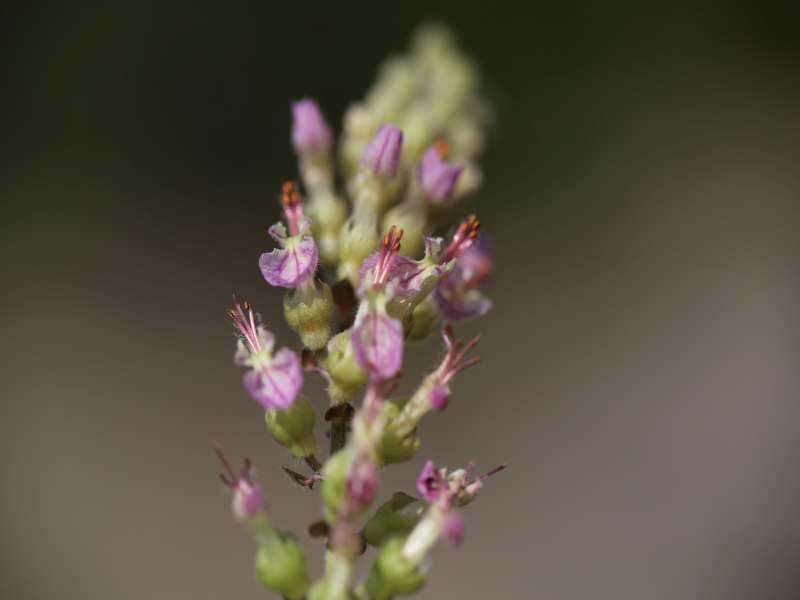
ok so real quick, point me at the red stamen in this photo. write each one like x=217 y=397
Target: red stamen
x=465 y=235
x=390 y=246
x=292 y=206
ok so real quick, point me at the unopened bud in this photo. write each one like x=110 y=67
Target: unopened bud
x=396 y=446
x=422 y=321
x=392 y=574
x=293 y=427
x=281 y=566
x=308 y=310
x=358 y=239
x=334 y=483
x=345 y=374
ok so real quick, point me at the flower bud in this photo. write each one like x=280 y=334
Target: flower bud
x=357 y=241
x=392 y=574
x=310 y=132
x=395 y=518
x=436 y=178
x=308 y=310
x=382 y=157
x=422 y=320
x=345 y=374
x=293 y=427
x=334 y=483
x=281 y=565
x=396 y=447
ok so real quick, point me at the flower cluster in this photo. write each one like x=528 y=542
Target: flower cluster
x=368 y=269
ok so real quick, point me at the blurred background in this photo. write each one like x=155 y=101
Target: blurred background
x=640 y=370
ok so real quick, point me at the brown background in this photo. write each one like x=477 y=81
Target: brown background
x=640 y=368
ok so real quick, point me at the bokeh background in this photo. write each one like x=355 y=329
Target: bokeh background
x=640 y=370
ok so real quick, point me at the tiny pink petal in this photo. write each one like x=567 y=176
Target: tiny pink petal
x=248 y=498
x=457 y=302
x=439 y=397
x=453 y=528
x=429 y=482
x=289 y=267
x=276 y=384
x=378 y=344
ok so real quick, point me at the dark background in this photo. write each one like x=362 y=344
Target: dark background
x=640 y=368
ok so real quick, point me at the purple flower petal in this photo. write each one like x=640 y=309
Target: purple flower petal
x=290 y=266
x=439 y=397
x=378 y=343
x=436 y=177
x=275 y=383
x=453 y=527
x=457 y=302
x=429 y=482
x=248 y=498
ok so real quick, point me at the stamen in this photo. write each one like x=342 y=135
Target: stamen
x=230 y=479
x=292 y=206
x=245 y=324
x=465 y=235
x=390 y=246
x=442 y=148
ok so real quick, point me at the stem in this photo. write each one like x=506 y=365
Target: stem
x=338 y=435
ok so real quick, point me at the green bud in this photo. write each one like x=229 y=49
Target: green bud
x=357 y=240
x=392 y=574
x=328 y=213
x=412 y=220
x=308 y=310
x=293 y=427
x=334 y=483
x=392 y=520
x=346 y=375
x=394 y=447
x=422 y=320
x=281 y=566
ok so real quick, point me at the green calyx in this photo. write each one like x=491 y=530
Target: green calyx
x=392 y=574
x=309 y=310
x=293 y=427
x=334 y=483
x=346 y=376
x=396 y=446
x=395 y=518
x=281 y=566
x=422 y=320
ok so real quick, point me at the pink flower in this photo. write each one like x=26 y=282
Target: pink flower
x=432 y=482
x=453 y=363
x=248 y=497
x=310 y=133
x=382 y=156
x=272 y=380
x=436 y=178
x=458 y=295
x=296 y=261
x=377 y=340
